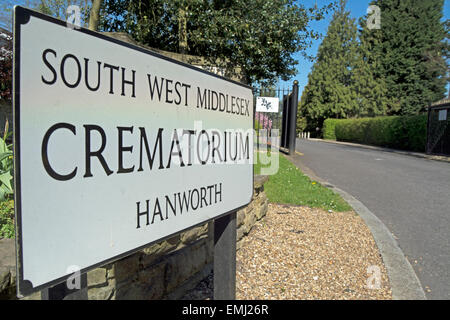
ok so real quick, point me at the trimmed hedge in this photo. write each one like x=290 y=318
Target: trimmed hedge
x=398 y=132
x=329 y=129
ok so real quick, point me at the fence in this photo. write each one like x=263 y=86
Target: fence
x=277 y=129
x=438 y=135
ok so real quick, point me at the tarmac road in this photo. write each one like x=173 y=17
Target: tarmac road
x=410 y=195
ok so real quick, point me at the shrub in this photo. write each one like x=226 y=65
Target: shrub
x=7 y=219
x=6 y=168
x=329 y=129
x=398 y=132
x=6 y=78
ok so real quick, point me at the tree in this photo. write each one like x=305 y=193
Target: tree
x=258 y=36
x=329 y=92
x=94 y=15
x=58 y=8
x=369 y=83
x=412 y=53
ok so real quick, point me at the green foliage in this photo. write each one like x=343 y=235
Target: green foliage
x=6 y=169
x=301 y=124
x=7 y=219
x=329 y=129
x=58 y=9
x=289 y=185
x=396 y=70
x=329 y=93
x=369 y=83
x=258 y=36
x=398 y=132
x=412 y=53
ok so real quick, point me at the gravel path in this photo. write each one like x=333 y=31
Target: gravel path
x=299 y=253
x=303 y=253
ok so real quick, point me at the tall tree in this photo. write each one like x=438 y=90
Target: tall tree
x=369 y=83
x=258 y=36
x=329 y=93
x=413 y=53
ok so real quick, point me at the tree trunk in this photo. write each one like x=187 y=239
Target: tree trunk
x=94 y=15
x=182 y=30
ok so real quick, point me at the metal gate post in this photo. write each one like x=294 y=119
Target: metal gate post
x=293 y=105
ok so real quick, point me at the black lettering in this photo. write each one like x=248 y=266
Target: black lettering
x=139 y=214
x=185 y=201
x=201 y=99
x=225 y=102
x=157 y=213
x=216 y=148
x=190 y=133
x=44 y=57
x=236 y=147
x=131 y=82
x=198 y=199
x=172 y=207
x=216 y=105
x=203 y=132
x=210 y=193
x=44 y=152
x=176 y=141
x=177 y=101
x=245 y=148
x=123 y=149
x=152 y=86
x=168 y=82
x=218 y=192
x=89 y=154
x=151 y=158
x=86 y=73
x=62 y=70
x=203 y=197
x=186 y=87
x=111 y=76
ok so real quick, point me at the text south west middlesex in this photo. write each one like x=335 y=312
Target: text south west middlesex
x=165 y=90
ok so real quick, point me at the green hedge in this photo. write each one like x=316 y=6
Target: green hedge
x=398 y=132
x=329 y=129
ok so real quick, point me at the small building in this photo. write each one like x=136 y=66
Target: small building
x=438 y=128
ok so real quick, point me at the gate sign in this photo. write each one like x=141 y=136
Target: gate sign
x=116 y=147
x=267 y=104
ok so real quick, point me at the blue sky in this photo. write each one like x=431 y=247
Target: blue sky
x=357 y=9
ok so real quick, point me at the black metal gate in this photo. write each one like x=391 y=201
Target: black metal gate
x=280 y=126
x=438 y=133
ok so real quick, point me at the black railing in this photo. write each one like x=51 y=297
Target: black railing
x=279 y=126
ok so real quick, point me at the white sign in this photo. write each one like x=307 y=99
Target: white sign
x=443 y=115
x=117 y=147
x=267 y=104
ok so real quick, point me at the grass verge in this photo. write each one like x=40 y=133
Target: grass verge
x=290 y=186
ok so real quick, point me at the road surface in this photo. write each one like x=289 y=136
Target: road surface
x=410 y=195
